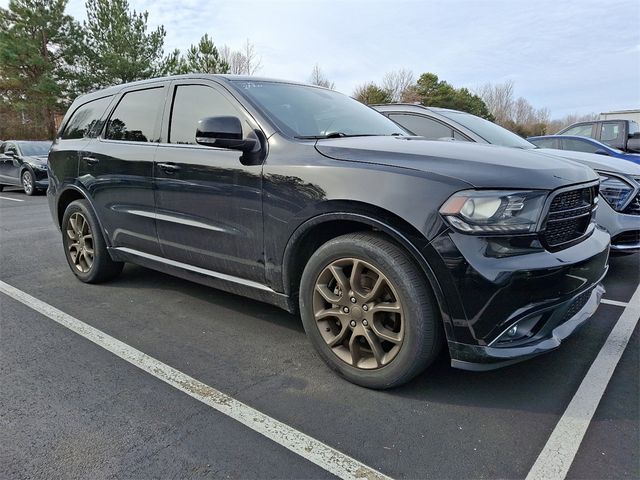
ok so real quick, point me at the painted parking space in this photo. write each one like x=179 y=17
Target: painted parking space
x=447 y=423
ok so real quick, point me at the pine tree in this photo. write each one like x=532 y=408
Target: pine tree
x=118 y=47
x=38 y=43
x=201 y=58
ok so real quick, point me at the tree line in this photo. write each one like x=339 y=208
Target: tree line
x=47 y=58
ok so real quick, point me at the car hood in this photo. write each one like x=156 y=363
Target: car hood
x=481 y=165
x=595 y=161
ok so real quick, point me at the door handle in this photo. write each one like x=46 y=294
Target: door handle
x=169 y=167
x=90 y=160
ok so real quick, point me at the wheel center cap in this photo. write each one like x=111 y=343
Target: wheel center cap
x=356 y=312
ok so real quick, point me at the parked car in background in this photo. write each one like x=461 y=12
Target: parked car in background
x=581 y=144
x=619 y=213
x=305 y=198
x=621 y=134
x=24 y=163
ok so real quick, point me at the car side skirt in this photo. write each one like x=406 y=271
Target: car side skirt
x=220 y=281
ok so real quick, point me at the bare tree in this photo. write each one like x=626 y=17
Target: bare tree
x=499 y=100
x=318 y=78
x=398 y=83
x=242 y=62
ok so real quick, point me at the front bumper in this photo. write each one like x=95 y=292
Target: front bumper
x=498 y=284
x=624 y=229
x=561 y=323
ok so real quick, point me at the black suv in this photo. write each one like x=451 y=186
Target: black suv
x=388 y=245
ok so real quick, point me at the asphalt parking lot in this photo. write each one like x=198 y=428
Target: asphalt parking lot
x=71 y=409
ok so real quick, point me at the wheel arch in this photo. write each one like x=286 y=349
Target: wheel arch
x=70 y=194
x=355 y=217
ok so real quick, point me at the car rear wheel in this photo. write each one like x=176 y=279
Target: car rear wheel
x=28 y=182
x=84 y=246
x=368 y=311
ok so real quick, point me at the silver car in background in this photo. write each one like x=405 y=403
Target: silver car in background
x=618 y=213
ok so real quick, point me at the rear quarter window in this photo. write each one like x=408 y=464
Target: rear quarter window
x=85 y=121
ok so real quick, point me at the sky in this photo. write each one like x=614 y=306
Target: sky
x=565 y=55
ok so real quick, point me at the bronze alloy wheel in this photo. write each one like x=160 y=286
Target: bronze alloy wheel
x=358 y=313
x=80 y=244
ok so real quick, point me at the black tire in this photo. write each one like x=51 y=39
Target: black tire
x=422 y=324
x=28 y=182
x=102 y=268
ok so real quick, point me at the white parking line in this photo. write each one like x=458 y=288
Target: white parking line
x=307 y=447
x=12 y=199
x=556 y=457
x=614 y=302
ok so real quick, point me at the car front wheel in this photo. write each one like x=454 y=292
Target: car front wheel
x=368 y=310
x=84 y=246
x=28 y=183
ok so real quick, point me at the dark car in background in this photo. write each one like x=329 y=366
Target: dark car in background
x=581 y=144
x=389 y=246
x=621 y=134
x=24 y=163
x=618 y=213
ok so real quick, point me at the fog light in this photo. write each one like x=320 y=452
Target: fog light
x=512 y=331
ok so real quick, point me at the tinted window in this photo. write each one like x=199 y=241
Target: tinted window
x=610 y=131
x=134 y=118
x=580 y=130
x=578 y=145
x=306 y=111
x=86 y=119
x=544 y=142
x=423 y=126
x=491 y=132
x=192 y=103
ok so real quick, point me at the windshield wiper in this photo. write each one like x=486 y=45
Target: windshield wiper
x=339 y=135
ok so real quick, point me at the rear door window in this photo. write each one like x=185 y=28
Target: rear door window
x=135 y=117
x=423 y=126
x=544 y=142
x=85 y=121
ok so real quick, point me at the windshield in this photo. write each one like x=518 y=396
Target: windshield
x=491 y=132
x=310 y=112
x=34 y=149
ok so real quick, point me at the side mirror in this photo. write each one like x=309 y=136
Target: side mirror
x=10 y=153
x=633 y=144
x=601 y=152
x=224 y=132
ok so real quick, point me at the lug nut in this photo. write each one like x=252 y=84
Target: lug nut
x=345 y=309
x=353 y=299
x=365 y=323
x=365 y=307
x=352 y=323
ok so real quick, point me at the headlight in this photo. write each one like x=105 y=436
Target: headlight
x=615 y=190
x=494 y=211
x=38 y=166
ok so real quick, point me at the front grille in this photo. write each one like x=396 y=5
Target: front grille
x=631 y=237
x=634 y=206
x=569 y=215
x=579 y=302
